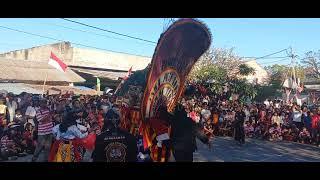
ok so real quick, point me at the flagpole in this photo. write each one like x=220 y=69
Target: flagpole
x=118 y=87
x=44 y=83
x=123 y=80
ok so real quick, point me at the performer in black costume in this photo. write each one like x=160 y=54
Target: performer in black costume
x=114 y=144
x=238 y=126
x=183 y=135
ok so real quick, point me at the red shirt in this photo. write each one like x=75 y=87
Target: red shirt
x=315 y=119
x=193 y=115
x=100 y=120
x=27 y=135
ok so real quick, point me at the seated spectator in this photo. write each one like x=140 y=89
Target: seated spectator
x=275 y=132
x=276 y=119
x=8 y=146
x=249 y=129
x=28 y=140
x=304 y=136
x=258 y=131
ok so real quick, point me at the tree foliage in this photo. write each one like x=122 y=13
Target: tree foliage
x=218 y=67
x=312 y=63
x=279 y=73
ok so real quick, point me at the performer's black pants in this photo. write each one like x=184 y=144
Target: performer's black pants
x=183 y=156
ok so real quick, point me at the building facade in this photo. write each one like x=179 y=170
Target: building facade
x=109 y=66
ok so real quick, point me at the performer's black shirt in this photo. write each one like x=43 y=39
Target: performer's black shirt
x=119 y=146
x=239 y=118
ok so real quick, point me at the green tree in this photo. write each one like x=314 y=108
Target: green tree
x=279 y=73
x=220 y=66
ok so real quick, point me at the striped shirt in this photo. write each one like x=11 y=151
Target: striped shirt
x=44 y=127
x=5 y=141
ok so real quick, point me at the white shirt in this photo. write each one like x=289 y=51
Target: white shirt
x=12 y=107
x=266 y=103
x=247 y=112
x=297 y=116
x=71 y=133
x=31 y=111
x=205 y=113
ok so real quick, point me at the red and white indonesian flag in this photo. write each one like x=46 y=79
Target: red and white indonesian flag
x=57 y=63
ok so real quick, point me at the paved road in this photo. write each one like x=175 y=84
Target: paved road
x=226 y=150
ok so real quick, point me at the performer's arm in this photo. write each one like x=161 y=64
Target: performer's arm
x=199 y=133
x=78 y=133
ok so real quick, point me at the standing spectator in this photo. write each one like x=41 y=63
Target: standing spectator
x=315 y=127
x=30 y=113
x=45 y=126
x=297 y=113
x=205 y=112
x=247 y=113
x=306 y=119
x=12 y=106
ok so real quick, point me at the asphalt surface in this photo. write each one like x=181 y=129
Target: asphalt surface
x=225 y=149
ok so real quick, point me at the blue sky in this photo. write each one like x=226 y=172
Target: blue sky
x=251 y=37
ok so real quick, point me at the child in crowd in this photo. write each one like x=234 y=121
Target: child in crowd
x=8 y=147
x=249 y=129
x=258 y=131
x=28 y=140
x=275 y=132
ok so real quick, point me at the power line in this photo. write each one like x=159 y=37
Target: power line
x=94 y=33
x=120 y=34
x=259 y=58
x=264 y=57
x=275 y=61
x=272 y=53
x=55 y=39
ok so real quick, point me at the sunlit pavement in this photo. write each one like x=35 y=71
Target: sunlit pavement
x=225 y=149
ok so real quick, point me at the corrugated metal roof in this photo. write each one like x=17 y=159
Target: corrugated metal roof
x=24 y=70
x=18 y=88
x=107 y=74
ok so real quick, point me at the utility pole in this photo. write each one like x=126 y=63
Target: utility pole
x=295 y=84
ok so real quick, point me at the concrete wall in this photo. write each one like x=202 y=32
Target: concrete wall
x=42 y=53
x=260 y=73
x=108 y=60
x=81 y=57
